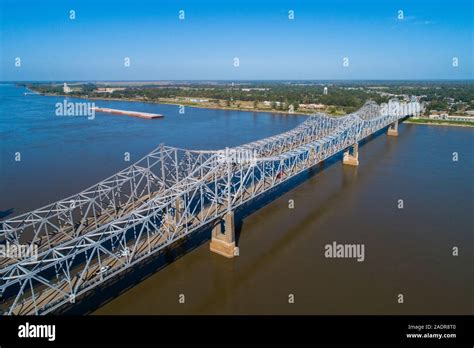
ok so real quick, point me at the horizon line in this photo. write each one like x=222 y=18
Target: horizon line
x=231 y=80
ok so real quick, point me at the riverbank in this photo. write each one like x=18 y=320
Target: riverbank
x=440 y=122
x=230 y=108
x=193 y=105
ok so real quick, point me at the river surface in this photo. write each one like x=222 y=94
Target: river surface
x=408 y=251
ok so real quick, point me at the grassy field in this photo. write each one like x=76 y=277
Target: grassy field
x=441 y=122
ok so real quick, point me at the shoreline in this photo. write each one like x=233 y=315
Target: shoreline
x=440 y=124
x=433 y=123
x=183 y=104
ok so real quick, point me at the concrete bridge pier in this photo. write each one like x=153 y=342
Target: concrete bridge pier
x=179 y=209
x=351 y=159
x=393 y=129
x=171 y=220
x=223 y=237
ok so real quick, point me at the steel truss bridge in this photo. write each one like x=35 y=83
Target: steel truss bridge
x=90 y=237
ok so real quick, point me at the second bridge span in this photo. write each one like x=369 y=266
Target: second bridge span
x=92 y=236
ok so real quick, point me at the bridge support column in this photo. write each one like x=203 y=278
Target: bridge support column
x=171 y=220
x=351 y=159
x=393 y=129
x=223 y=243
x=179 y=207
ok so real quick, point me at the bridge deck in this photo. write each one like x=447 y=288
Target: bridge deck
x=199 y=180
x=113 y=264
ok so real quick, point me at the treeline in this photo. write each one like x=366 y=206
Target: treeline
x=284 y=94
x=346 y=96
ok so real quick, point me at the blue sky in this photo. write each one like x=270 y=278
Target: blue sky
x=259 y=33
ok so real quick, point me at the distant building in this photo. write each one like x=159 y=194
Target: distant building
x=438 y=116
x=444 y=116
x=269 y=103
x=460 y=118
x=108 y=89
x=254 y=89
x=66 y=88
x=405 y=97
x=325 y=91
x=313 y=106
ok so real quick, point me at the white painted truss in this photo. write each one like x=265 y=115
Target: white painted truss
x=92 y=236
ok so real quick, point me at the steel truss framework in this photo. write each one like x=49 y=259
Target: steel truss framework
x=90 y=237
